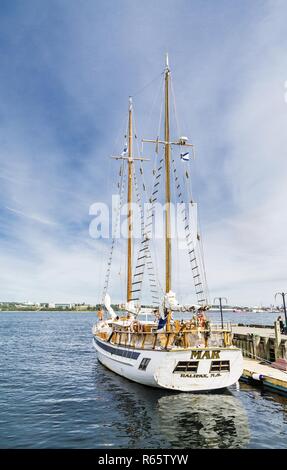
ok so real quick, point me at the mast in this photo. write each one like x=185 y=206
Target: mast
x=181 y=142
x=129 y=201
x=167 y=184
x=127 y=154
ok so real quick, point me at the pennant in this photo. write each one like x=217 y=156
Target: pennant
x=125 y=151
x=184 y=156
x=161 y=323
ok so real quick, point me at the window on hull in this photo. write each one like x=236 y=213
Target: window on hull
x=220 y=366
x=144 y=363
x=186 y=366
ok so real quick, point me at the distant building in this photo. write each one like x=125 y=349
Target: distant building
x=63 y=305
x=28 y=303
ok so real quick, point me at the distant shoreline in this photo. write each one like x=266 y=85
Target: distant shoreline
x=56 y=310
x=94 y=310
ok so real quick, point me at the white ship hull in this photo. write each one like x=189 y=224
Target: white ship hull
x=160 y=371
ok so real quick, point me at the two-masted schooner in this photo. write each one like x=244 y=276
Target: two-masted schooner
x=178 y=348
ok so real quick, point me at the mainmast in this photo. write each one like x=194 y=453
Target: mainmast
x=130 y=196
x=183 y=143
x=167 y=184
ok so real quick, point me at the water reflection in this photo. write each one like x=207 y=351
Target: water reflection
x=267 y=394
x=215 y=420
x=157 y=418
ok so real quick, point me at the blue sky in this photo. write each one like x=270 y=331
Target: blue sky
x=67 y=69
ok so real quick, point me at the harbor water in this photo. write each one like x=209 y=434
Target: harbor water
x=55 y=394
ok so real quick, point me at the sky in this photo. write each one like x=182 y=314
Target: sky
x=67 y=69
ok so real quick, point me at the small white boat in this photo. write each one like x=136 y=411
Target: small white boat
x=188 y=354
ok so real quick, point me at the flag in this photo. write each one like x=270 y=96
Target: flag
x=125 y=151
x=161 y=323
x=184 y=156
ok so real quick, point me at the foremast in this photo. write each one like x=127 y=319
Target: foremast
x=129 y=157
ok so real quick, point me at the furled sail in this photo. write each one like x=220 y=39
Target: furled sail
x=107 y=302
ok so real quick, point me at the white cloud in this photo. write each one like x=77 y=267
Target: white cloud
x=36 y=217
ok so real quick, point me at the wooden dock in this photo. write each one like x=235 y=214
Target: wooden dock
x=263 y=332
x=263 y=374
x=260 y=343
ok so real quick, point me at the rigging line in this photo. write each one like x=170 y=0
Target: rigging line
x=177 y=263
x=157 y=175
x=176 y=190
x=138 y=92
x=201 y=252
x=139 y=152
x=147 y=255
x=141 y=215
x=161 y=107
x=111 y=181
x=187 y=235
x=153 y=243
x=174 y=105
x=154 y=264
x=202 y=259
x=160 y=93
x=148 y=231
x=99 y=290
x=124 y=126
x=121 y=192
x=122 y=275
x=188 y=187
x=153 y=239
x=156 y=96
x=159 y=129
x=157 y=270
x=189 y=193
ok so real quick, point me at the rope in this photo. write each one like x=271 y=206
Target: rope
x=121 y=185
x=147 y=85
x=193 y=258
x=200 y=273
x=144 y=252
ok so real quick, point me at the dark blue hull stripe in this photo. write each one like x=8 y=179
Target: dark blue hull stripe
x=118 y=352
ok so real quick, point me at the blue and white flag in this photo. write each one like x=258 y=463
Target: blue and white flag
x=161 y=323
x=125 y=151
x=184 y=156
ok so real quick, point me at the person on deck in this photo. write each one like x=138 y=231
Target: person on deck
x=201 y=318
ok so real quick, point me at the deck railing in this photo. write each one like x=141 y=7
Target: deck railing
x=168 y=340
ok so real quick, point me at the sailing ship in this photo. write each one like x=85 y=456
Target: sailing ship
x=175 y=346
